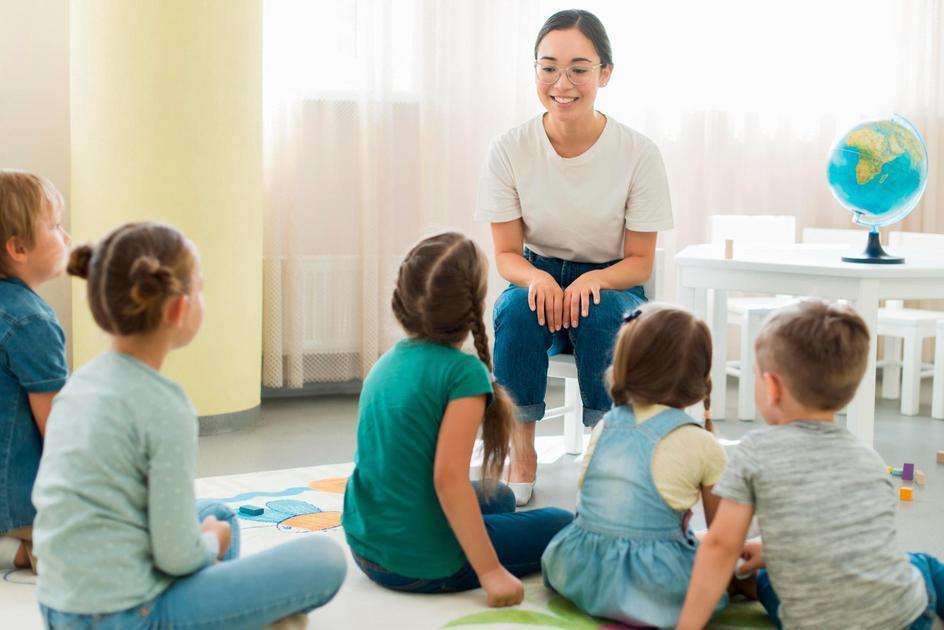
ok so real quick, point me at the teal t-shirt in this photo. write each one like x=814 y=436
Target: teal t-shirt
x=392 y=515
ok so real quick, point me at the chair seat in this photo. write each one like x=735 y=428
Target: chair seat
x=562 y=366
x=741 y=305
x=923 y=320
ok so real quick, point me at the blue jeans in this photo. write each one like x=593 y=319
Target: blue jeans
x=250 y=592
x=522 y=347
x=519 y=539
x=932 y=570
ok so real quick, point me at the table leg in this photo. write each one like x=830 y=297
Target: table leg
x=861 y=417
x=719 y=354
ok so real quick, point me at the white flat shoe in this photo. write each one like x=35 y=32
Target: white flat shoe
x=523 y=492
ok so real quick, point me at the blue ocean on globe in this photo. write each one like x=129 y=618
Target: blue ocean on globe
x=879 y=170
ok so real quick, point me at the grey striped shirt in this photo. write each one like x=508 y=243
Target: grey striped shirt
x=826 y=509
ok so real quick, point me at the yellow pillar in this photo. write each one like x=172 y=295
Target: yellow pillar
x=166 y=115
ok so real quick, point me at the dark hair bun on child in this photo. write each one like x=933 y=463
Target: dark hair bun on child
x=79 y=261
x=151 y=283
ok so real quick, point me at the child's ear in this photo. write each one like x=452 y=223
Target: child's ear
x=15 y=249
x=773 y=387
x=176 y=310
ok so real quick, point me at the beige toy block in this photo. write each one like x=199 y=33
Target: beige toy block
x=920 y=479
x=940 y=457
x=728 y=249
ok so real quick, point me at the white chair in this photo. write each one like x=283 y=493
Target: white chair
x=563 y=366
x=901 y=371
x=750 y=312
x=937 y=393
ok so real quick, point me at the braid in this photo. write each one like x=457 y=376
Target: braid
x=709 y=426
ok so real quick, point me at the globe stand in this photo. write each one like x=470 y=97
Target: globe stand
x=874 y=254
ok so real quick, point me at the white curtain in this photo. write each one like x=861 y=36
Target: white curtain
x=378 y=116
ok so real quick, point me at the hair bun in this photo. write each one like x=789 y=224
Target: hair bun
x=80 y=259
x=151 y=282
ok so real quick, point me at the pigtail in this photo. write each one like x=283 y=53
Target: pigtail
x=499 y=416
x=709 y=426
x=80 y=259
x=151 y=284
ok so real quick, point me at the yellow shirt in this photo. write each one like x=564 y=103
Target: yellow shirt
x=683 y=461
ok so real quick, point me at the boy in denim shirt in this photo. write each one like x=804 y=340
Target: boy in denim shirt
x=33 y=250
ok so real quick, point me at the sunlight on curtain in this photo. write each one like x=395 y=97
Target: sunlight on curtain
x=378 y=116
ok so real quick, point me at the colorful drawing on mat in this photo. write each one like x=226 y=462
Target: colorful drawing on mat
x=293 y=516
x=333 y=484
x=563 y=614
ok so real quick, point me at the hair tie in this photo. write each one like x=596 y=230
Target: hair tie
x=628 y=317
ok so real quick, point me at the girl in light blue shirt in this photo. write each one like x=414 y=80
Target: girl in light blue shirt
x=120 y=540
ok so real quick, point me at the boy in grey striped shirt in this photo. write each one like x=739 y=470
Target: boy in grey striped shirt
x=823 y=499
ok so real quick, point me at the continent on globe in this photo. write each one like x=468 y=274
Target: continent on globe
x=878 y=145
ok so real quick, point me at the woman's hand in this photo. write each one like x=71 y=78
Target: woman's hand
x=577 y=298
x=546 y=298
x=501 y=587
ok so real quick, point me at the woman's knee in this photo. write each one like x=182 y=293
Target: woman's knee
x=512 y=311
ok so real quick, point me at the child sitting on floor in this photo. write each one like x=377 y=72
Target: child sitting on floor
x=33 y=250
x=120 y=541
x=823 y=499
x=629 y=553
x=413 y=519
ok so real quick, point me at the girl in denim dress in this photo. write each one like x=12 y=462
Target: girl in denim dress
x=628 y=556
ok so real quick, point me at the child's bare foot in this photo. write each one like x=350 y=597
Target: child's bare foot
x=21 y=560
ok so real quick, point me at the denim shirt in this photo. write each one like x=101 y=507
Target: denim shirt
x=32 y=360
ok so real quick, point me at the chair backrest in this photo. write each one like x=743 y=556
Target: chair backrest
x=754 y=229
x=834 y=236
x=917 y=240
x=654 y=285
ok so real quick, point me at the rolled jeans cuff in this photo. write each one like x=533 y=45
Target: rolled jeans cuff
x=531 y=413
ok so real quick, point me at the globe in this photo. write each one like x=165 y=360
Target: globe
x=878 y=170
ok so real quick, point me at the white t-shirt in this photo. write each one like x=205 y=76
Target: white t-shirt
x=576 y=208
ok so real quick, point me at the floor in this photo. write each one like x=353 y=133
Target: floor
x=306 y=432
x=298 y=433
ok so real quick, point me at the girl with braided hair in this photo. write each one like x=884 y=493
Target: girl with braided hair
x=413 y=519
x=120 y=540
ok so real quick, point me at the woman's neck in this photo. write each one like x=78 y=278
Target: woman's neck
x=150 y=349
x=573 y=137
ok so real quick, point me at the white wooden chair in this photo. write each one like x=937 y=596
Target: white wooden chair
x=563 y=366
x=902 y=371
x=748 y=313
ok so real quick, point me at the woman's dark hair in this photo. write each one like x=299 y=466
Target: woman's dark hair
x=131 y=273
x=440 y=297
x=584 y=21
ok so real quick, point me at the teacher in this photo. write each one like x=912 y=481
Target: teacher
x=575 y=200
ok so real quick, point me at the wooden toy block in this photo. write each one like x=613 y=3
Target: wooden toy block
x=890 y=469
x=907 y=472
x=940 y=457
x=920 y=479
x=251 y=510
x=897 y=472
x=905 y=493
x=728 y=249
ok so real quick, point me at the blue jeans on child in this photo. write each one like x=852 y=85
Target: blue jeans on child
x=294 y=577
x=932 y=570
x=522 y=346
x=519 y=539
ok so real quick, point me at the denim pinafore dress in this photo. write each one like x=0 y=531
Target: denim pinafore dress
x=626 y=556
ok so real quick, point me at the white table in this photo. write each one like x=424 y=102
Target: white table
x=808 y=270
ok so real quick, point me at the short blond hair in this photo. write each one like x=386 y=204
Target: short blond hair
x=819 y=349
x=25 y=200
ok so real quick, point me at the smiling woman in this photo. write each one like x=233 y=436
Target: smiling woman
x=575 y=200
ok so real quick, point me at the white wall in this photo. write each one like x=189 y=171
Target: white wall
x=34 y=105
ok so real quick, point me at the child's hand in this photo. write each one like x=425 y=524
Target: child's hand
x=753 y=556
x=502 y=588
x=222 y=532
x=546 y=299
